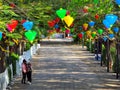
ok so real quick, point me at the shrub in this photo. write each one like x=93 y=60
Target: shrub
x=27 y=47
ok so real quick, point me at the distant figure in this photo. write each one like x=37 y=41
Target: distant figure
x=24 y=71
x=29 y=73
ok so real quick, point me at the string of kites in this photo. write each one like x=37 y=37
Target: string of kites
x=108 y=22
x=64 y=15
x=29 y=33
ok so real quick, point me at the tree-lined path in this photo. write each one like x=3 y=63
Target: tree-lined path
x=68 y=67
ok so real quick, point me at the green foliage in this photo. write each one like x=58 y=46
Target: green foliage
x=15 y=56
x=14 y=35
x=27 y=47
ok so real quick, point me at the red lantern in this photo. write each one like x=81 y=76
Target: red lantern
x=57 y=20
x=97 y=16
x=14 y=22
x=11 y=26
x=85 y=10
x=57 y=30
x=22 y=21
x=80 y=35
x=51 y=23
x=12 y=5
x=67 y=31
x=67 y=13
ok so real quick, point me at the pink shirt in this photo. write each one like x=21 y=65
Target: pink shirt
x=24 y=69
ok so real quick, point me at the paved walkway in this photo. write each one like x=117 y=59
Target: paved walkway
x=68 y=67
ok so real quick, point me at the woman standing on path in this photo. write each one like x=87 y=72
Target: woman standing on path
x=24 y=71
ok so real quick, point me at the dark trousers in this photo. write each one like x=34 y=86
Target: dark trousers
x=23 y=77
x=29 y=76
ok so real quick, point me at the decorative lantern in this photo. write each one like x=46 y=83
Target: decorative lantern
x=106 y=24
x=61 y=13
x=93 y=34
x=12 y=5
x=85 y=26
x=111 y=36
x=80 y=35
x=67 y=31
x=97 y=16
x=68 y=13
x=1 y=35
x=28 y=25
x=12 y=25
x=22 y=21
x=56 y=26
x=100 y=31
x=68 y=20
x=111 y=18
x=85 y=9
x=57 y=20
x=30 y=35
x=88 y=32
x=117 y=2
x=51 y=23
x=91 y=23
x=63 y=29
x=116 y=29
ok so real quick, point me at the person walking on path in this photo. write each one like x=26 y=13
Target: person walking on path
x=29 y=73
x=24 y=71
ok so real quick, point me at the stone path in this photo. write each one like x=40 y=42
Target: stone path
x=68 y=67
